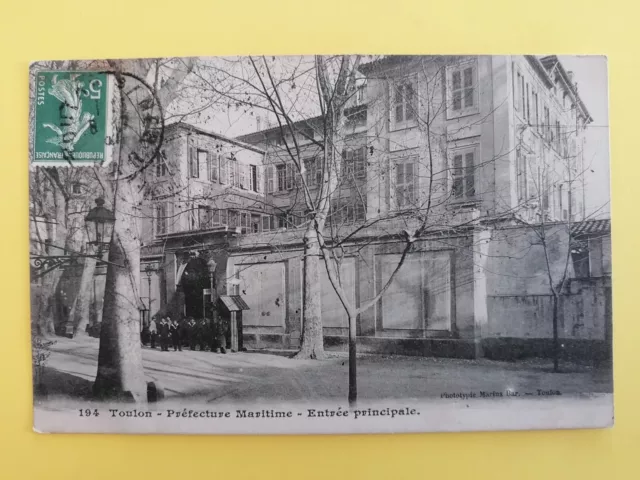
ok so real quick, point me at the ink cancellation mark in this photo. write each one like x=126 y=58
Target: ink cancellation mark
x=72 y=119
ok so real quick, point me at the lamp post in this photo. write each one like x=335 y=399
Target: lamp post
x=99 y=224
x=149 y=270
x=144 y=315
x=211 y=266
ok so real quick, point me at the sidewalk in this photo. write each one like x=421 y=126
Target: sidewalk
x=247 y=376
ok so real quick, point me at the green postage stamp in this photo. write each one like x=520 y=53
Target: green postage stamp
x=72 y=118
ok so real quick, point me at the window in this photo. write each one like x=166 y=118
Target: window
x=297 y=218
x=462 y=83
x=518 y=88
x=562 y=203
x=361 y=94
x=224 y=169
x=281 y=178
x=354 y=162
x=76 y=188
x=464 y=175
x=232 y=166
x=558 y=136
x=359 y=162
x=405 y=183
x=290 y=174
x=160 y=219
x=360 y=211
x=213 y=167
x=233 y=218
x=310 y=172
x=255 y=223
x=245 y=222
x=253 y=178
x=194 y=168
x=404 y=102
x=306 y=134
x=204 y=217
x=547 y=124
x=243 y=180
x=270 y=185
x=356 y=117
x=529 y=176
x=161 y=165
x=266 y=223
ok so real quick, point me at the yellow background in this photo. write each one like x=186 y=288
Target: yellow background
x=58 y=29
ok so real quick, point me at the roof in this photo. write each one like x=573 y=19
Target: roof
x=592 y=228
x=249 y=137
x=233 y=141
x=551 y=62
x=233 y=303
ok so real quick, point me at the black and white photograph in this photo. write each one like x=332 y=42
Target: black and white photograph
x=320 y=244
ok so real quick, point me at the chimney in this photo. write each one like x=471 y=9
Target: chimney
x=258 y=123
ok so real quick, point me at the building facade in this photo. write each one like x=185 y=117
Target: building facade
x=489 y=146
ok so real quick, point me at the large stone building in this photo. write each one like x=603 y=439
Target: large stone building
x=493 y=144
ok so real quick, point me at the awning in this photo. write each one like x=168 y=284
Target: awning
x=233 y=303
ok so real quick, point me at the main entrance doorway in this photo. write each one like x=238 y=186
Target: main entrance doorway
x=194 y=281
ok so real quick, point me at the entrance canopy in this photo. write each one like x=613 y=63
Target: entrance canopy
x=233 y=303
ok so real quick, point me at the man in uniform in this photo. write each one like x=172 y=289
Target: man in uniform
x=202 y=334
x=191 y=333
x=153 y=332
x=174 y=328
x=164 y=334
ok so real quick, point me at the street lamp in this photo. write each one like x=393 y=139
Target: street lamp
x=211 y=266
x=99 y=224
x=149 y=270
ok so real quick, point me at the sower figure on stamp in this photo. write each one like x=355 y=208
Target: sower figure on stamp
x=175 y=335
x=153 y=332
x=164 y=334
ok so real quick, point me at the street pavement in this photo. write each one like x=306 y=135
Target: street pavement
x=253 y=376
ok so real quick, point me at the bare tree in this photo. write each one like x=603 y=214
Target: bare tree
x=313 y=105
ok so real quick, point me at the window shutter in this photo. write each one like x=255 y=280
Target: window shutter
x=243 y=176
x=470 y=175
x=531 y=168
x=361 y=162
x=260 y=178
x=224 y=165
x=210 y=166
x=289 y=173
x=270 y=173
x=457 y=176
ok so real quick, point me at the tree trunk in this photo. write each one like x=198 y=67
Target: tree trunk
x=312 y=337
x=556 y=340
x=353 y=384
x=120 y=371
x=79 y=315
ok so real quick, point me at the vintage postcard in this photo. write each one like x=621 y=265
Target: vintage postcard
x=320 y=244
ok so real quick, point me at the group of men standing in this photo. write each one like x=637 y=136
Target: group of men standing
x=198 y=335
